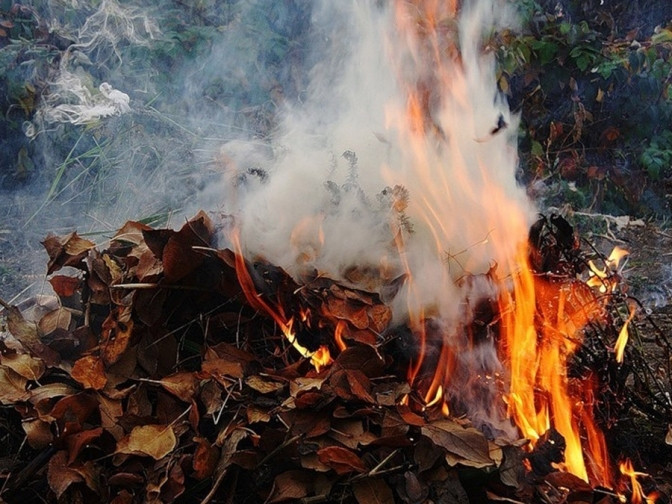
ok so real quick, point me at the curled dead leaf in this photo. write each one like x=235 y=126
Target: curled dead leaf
x=12 y=386
x=262 y=385
x=59 y=475
x=466 y=446
x=341 y=460
x=205 y=459
x=67 y=250
x=155 y=441
x=29 y=367
x=183 y=385
x=65 y=286
x=89 y=372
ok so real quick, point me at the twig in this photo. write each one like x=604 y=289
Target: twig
x=150 y=286
x=279 y=449
x=5 y=304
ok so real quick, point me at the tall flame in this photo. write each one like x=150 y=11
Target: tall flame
x=417 y=102
x=638 y=495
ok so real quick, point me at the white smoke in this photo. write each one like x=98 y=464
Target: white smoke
x=356 y=103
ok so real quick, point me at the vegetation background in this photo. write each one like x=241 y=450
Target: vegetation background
x=592 y=80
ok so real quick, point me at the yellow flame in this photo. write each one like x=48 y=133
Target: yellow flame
x=321 y=358
x=622 y=340
x=638 y=496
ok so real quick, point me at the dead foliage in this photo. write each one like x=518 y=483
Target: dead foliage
x=156 y=381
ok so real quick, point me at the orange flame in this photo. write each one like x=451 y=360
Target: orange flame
x=600 y=278
x=319 y=358
x=638 y=496
x=623 y=336
x=338 y=335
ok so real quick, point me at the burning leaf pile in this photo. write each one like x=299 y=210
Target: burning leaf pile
x=170 y=371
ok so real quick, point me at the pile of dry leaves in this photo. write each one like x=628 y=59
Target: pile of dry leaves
x=152 y=379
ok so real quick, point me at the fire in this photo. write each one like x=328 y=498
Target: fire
x=600 y=277
x=319 y=358
x=338 y=335
x=638 y=496
x=541 y=319
x=449 y=150
x=623 y=336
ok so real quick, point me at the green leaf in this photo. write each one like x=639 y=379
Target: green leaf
x=537 y=149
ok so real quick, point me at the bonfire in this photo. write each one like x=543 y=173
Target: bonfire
x=404 y=327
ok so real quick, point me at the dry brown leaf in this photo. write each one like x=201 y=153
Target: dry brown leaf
x=205 y=459
x=155 y=441
x=372 y=491
x=304 y=384
x=130 y=234
x=466 y=446
x=222 y=368
x=116 y=335
x=73 y=411
x=65 y=286
x=380 y=316
x=25 y=365
x=262 y=385
x=89 y=372
x=12 y=386
x=341 y=460
x=68 y=250
x=110 y=412
x=77 y=442
x=354 y=313
x=291 y=485
x=51 y=390
x=114 y=270
x=38 y=433
x=311 y=461
x=350 y=384
x=28 y=335
x=255 y=414
x=57 y=319
x=362 y=358
x=182 y=385
x=59 y=475
x=178 y=256
x=351 y=433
